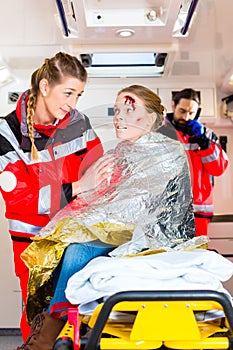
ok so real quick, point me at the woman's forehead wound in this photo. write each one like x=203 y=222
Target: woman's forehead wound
x=130 y=101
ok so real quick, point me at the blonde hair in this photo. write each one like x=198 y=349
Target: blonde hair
x=54 y=70
x=151 y=101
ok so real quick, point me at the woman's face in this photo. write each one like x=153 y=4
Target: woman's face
x=131 y=119
x=55 y=101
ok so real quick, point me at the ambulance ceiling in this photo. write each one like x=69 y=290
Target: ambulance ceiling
x=99 y=21
x=31 y=30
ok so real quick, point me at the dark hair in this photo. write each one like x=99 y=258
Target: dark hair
x=188 y=94
x=54 y=70
x=151 y=101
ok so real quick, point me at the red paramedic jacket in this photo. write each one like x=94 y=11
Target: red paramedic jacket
x=44 y=186
x=204 y=165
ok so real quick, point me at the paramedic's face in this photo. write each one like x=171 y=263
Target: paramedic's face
x=185 y=111
x=131 y=119
x=60 y=99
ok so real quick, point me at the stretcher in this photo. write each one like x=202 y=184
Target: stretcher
x=157 y=319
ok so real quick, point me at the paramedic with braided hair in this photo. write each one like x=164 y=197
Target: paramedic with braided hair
x=42 y=145
x=206 y=157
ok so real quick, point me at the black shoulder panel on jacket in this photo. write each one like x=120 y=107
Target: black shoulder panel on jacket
x=168 y=129
x=88 y=124
x=14 y=125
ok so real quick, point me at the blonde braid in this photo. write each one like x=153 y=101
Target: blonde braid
x=30 y=112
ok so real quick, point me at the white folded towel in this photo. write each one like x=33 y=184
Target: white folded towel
x=175 y=270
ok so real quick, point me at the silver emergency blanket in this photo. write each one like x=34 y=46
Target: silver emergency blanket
x=150 y=193
x=147 y=203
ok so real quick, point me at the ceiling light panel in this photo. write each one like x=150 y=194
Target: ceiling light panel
x=134 y=64
x=121 y=13
x=125 y=33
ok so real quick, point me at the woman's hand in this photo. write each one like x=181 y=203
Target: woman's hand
x=99 y=171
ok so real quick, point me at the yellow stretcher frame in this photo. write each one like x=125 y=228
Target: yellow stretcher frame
x=161 y=319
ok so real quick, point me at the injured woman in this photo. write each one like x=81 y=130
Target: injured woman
x=144 y=205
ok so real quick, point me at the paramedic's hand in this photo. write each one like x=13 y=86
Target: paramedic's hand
x=99 y=171
x=197 y=134
x=195 y=128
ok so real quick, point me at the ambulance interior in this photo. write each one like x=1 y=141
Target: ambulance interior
x=166 y=45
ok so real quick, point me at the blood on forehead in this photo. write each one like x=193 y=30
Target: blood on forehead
x=130 y=101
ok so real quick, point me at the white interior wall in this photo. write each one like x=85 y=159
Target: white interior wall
x=99 y=95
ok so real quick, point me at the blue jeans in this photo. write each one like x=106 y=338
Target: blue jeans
x=74 y=258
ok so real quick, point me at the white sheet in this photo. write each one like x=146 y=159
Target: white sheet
x=177 y=270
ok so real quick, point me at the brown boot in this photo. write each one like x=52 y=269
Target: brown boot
x=43 y=333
